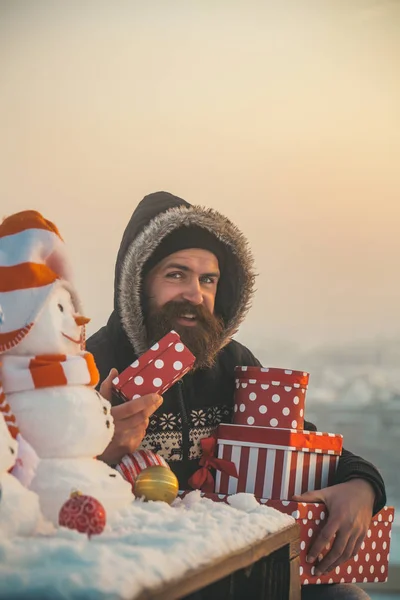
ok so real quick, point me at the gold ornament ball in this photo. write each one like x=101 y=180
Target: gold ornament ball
x=157 y=483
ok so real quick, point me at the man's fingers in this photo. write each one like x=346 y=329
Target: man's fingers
x=106 y=386
x=147 y=404
x=314 y=496
x=341 y=551
x=358 y=544
x=128 y=436
x=129 y=439
x=324 y=537
x=125 y=426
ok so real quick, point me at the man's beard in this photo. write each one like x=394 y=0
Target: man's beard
x=203 y=339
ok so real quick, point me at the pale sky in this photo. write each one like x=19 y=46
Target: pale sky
x=284 y=115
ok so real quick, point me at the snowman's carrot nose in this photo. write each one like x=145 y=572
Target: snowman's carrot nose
x=80 y=320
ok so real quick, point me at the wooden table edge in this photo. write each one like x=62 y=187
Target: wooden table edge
x=224 y=566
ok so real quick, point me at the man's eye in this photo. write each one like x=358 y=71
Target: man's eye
x=61 y=308
x=174 y=275
x=209 y=280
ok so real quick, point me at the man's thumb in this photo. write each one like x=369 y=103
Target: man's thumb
x=313 y=496
x=106 y=386
x=112 y=374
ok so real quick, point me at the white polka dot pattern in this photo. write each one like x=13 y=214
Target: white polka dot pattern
x=352 y=571
x=276 y=389
x=369 y=565
x=156 y=370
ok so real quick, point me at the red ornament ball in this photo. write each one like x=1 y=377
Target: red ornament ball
x=83 y=513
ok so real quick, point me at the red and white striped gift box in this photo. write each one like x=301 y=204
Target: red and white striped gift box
x=276 y=463
x=132 y=464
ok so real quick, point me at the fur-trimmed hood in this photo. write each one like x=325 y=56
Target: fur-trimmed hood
x=157 y=216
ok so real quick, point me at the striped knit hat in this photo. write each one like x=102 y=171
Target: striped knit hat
x=32 y=260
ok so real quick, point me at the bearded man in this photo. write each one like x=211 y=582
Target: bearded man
x=190 y=269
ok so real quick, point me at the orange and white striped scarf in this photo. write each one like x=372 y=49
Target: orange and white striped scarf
x=23 y=373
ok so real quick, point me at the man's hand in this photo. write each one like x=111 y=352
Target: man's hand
x=131 y=420
x=350 y=507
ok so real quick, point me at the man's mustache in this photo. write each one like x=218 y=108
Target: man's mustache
x=176 y=309
x=203 y=339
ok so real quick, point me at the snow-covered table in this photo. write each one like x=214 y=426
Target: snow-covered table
x=265 y=570
x=152 y=550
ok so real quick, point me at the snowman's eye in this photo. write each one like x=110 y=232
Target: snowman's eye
x=60 y=306
x=12 y=450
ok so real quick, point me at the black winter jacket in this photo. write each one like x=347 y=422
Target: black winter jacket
x=195 y=406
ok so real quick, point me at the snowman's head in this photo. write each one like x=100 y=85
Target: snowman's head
x=8 y=447
x=58 y=328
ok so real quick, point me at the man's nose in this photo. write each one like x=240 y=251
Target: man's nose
x=192 y=292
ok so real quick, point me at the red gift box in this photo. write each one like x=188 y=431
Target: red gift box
x=270 y=397
x=156 y=370
x=132 y=464
x=276 y=463
x=371 y=562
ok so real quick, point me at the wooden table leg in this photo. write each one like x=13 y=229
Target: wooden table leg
x=273 y=577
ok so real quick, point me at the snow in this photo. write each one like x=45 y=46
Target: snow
x=147 y=545
x=19 y=507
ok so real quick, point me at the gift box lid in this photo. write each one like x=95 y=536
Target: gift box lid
x=272 y=375
x=299 y=510
x=283 y=439
x=171 y=360
x=317 y=511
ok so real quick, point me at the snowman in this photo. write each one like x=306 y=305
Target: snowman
x=19 y=507
x=49 y=380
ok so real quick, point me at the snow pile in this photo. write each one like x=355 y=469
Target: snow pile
x=147 y=545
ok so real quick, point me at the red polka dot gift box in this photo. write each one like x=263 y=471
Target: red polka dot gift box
x=371 y=562
x=270 y=397
x=276 y=463
x=156 y=370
